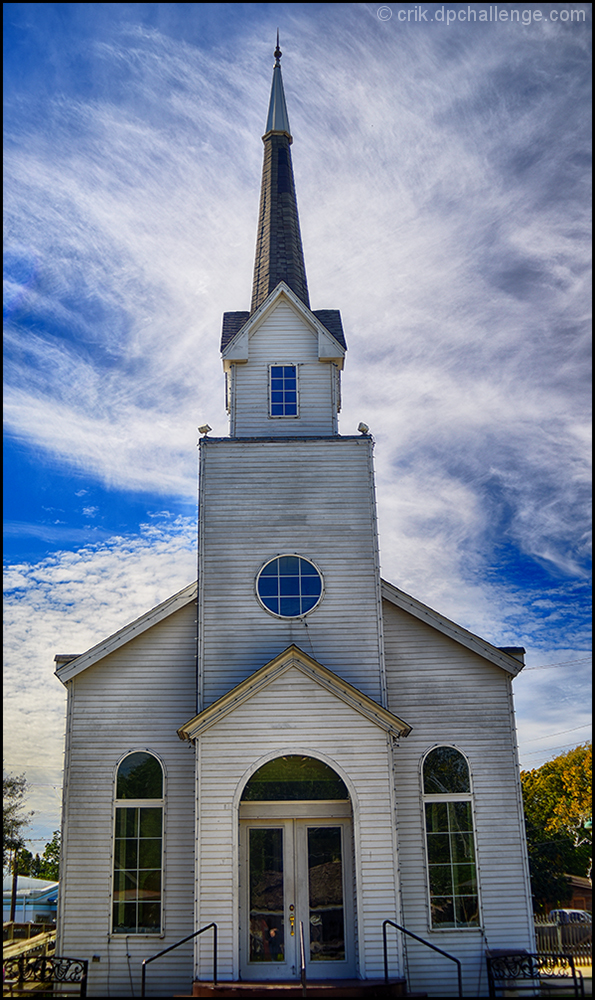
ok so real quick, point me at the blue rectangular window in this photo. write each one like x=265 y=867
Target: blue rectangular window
x=283 y=391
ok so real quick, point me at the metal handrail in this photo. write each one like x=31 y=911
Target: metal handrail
x=176 y=945
x=303 y=961
x=423 y=941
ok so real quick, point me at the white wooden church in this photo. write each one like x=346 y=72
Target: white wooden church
x=291 y=748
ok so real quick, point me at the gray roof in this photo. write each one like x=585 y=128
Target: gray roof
x=330 y=319
x=279 y=255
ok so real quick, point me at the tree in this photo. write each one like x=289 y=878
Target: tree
x=557 y=801
x=15 y=820
x=49 y=864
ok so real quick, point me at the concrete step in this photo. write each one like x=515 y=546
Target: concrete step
x=322 y=988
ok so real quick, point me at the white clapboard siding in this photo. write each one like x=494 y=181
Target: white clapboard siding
x=133 y=699
x=259 y=499
x=294 y=715
x=283 y=338
x=451 y=695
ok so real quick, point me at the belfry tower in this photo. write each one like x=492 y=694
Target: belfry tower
x=289 y=601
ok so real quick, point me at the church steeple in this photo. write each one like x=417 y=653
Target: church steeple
x=279 y=255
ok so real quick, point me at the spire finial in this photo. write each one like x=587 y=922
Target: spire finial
x=277 y=53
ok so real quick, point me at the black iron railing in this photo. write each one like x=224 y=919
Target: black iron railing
x=423 y=941
x=177 y=945
x=303 y=961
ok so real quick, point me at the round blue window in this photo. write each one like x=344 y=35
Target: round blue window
x=289 y=586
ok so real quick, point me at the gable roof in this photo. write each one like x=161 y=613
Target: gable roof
x=512 y=662
x=71 y=665
x=330 y=319
x=293 y=658
x=239 y=326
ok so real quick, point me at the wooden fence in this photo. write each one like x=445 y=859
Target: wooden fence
x=566 y=939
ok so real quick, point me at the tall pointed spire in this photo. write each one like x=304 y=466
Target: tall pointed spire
x=279 y=255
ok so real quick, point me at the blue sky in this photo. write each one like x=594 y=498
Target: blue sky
x=443 y=174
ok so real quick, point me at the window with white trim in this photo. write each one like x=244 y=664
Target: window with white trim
x=283 y=391
x=138 y=845
x=450 y=838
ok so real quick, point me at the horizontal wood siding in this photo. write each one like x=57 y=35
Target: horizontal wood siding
x=133 y=699
x=294 y=714
x=259 y=499
x=449 y=694
x=283 y=338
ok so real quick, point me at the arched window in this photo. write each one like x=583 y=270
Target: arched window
x=138 y=845
x=296 y=778
x=452 y=871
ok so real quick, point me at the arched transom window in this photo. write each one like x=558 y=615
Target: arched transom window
x=138 y=845
x=452 y=871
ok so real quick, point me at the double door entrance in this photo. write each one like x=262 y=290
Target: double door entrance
x=296 y=872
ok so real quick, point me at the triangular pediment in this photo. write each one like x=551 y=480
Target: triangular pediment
x=293 y=658
x=237 y=348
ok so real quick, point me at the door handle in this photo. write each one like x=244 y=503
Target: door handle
x=292 y=920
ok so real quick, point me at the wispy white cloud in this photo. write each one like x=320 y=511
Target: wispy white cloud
x=65 y=604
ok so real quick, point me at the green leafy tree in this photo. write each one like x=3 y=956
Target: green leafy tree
x=49 y=864
x=557 y=801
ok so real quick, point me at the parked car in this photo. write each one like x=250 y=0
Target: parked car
x=570 y=917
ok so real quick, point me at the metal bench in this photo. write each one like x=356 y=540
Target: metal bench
x=45 y=975
x=512 y=973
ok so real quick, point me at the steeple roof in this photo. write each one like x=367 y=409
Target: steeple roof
x=279 y=255
x=277 y=118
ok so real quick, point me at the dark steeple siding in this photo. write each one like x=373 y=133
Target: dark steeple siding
x=279 y=254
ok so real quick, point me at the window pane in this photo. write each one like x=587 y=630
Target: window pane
x=325 y=889
x=445 y=772
x=289 y=586
x=149 y=918
x=436 y=817
x=460 y=815
x=289 y=565
x=276 y=409
x=443 y=913
x=125 y=854
x=464 y=879
x=290 y=607
x=125 y=918
x=139 y=777
x=126 y=822
x=440 y=880
x=150 y=822
x=438 y=848
x=289 y=372
x=294 y=777
x=311 y=586
x=268 y=586
x=467 y=911
x=266 y=895
x=149 y=885
x=125 y=886
x=463 y=847
x=149 y=854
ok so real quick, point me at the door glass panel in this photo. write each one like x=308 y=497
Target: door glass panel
x=266 y=895
x=325 y=887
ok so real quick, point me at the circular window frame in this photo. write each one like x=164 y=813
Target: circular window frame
x=275 y=614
